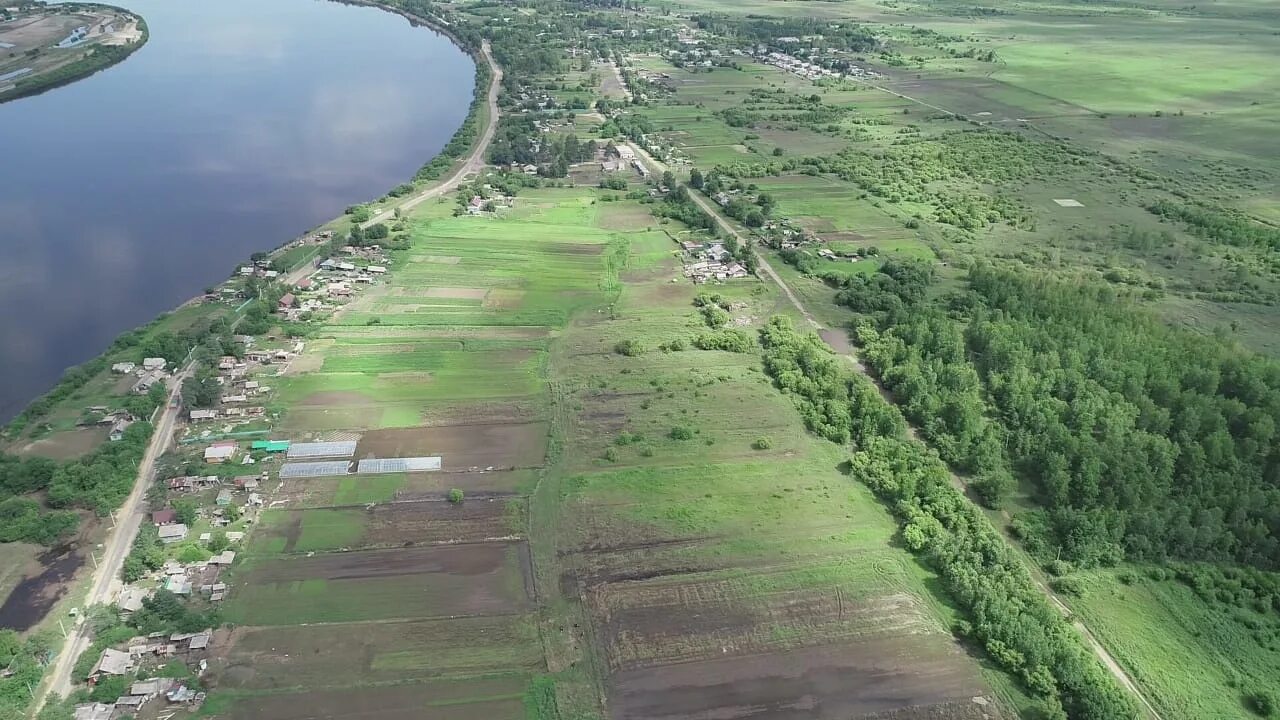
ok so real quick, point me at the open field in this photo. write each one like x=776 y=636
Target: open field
x=719 y=576
x=1111 y=124
x=1182 y=649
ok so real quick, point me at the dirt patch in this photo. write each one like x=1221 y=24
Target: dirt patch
x=575 y=248
x=423 y=522
x=837 y=339
x=479 y=446
x=437 y=259
x=455 y=293
x=336 y=398
x=669 y=621
x=503 y=299
x=901 y=677
x=270 y=658
x=68 y=444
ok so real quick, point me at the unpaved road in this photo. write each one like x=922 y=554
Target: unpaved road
x=1101 y=652
x=474 y=163
x=105 y=582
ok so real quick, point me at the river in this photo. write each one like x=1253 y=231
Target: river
x=239 y=125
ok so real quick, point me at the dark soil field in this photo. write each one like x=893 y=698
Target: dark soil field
x=399 y=524
x=904 y=678
x=281 y=658
x=421 y=582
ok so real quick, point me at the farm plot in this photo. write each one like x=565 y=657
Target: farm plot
x=724 y=564
x=387 y=525
x=471 y=699
x=418 y=582
x=378 y=653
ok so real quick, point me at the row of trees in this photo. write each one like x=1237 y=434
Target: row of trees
x=1004 y=611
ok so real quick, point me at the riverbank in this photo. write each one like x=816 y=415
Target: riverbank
x=47 y=49
x=461 y=154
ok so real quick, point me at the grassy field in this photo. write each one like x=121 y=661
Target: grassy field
x=437 y=599
x=1089 y=80
x=698 y=560
x=1184 y=651
x=1116 y=107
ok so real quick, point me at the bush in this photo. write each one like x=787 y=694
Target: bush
x=611 y=454
x=629 y=347
x=681 y=432
x=455 y=496
x=762 y=443
x=1067 y=586
x=735 y=341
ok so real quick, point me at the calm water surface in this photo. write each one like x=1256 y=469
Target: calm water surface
x=239 y=125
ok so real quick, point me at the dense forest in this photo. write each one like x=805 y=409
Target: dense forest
x=1138 y=440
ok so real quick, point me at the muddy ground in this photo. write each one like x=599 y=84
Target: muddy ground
x=901 y=677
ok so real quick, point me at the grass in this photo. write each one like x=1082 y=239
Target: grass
x=1194 y=659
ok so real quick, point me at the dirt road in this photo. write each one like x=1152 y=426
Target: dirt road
x=474 y=163
x=1091 y=640
x=105 y=582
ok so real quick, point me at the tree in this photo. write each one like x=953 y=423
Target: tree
x=695 y=179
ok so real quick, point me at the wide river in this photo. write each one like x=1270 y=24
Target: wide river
x=239 y=125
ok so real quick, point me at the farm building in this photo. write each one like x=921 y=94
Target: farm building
x=224 y=497
x=117 y=429
x=287 y=301
x=270 y=445
x=148 y=379
x=219 y=453
x=112 y=662
x=123 y=368
x=198 y=415
x=94 y=711
x=131 y=598
x=153 y=363
x=168 y=516
x=172 y=533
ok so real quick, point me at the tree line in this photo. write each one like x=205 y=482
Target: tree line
x=1004 y=612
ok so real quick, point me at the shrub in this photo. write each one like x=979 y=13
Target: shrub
x=762 y=443
x=630 y=347
x=1068 y=586
x=611 y=455
x=455 y=496
x=681 y=432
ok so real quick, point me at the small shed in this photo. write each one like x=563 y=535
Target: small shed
x=168 y=516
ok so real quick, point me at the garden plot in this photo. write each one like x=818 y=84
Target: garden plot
x=389 y=525
x=906 y=678
x=277 y=658
x=477 y=699
x=419 y=582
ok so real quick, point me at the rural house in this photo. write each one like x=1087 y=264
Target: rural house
x=152 y=364
x=168 y=516
x=287 y=301
x=94 y=711
x=112 y=662
x=219 y=452
x=172 y=533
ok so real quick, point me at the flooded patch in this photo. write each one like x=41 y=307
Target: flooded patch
x=32 y=599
